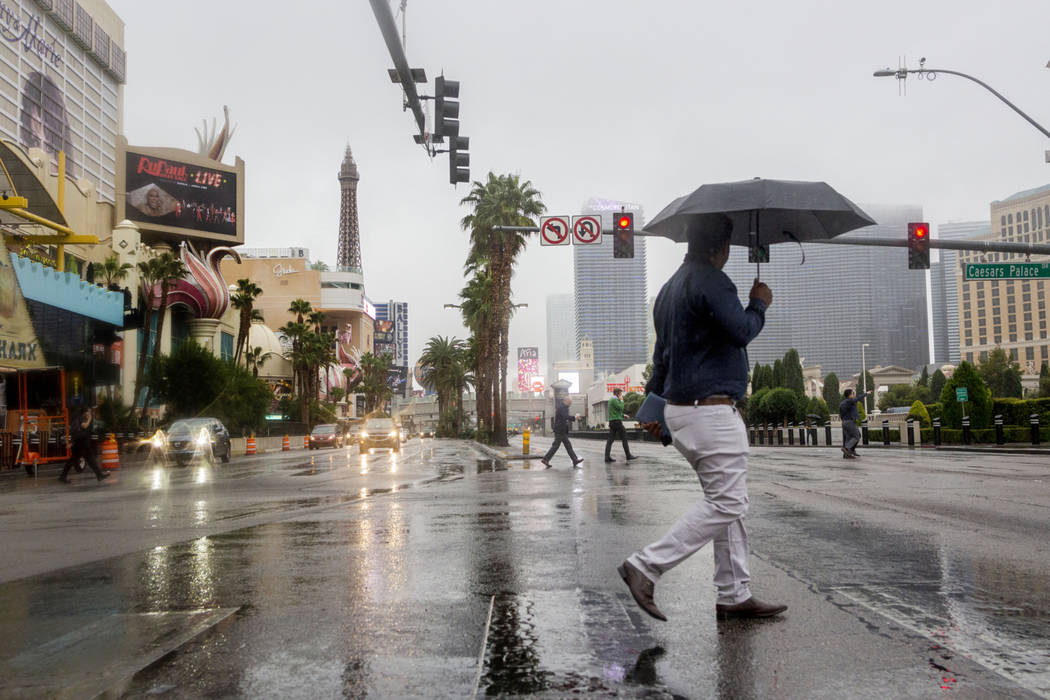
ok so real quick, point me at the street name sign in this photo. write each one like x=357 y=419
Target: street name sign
x=586 y=230
x=960 y=394
x=1006 y=271
x=554 y=230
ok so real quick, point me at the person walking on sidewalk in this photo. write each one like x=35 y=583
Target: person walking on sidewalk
x=700 y=368
x=850 y=417
x=562 y=419
x=80 y=437
x=616 y=429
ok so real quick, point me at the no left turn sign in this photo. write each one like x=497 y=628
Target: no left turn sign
x=554 y=230
x=586 y=230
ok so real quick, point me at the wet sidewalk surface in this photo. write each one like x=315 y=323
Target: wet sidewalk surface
x=446 y=573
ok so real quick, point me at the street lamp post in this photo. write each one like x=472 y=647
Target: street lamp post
x=924 y=73
x=864 y=375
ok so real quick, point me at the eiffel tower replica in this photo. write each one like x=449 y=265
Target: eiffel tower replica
x=349 y=256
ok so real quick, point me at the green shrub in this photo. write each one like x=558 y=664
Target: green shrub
x=979 y=399
x=919 y=413
x=934 y=410
x=780 y=405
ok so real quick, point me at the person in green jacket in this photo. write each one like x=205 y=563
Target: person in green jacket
x=616 y=428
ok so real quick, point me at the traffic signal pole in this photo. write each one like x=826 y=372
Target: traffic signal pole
x=980 y=246
x=388 y=27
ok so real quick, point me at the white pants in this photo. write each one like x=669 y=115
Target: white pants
x=714 y=440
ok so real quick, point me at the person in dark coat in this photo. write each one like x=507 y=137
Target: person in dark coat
x=850 y=417
x=80 y=437
x=562 y=423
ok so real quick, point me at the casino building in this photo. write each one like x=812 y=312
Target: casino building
x=1010 y=314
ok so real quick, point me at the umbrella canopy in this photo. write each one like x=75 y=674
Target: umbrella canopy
x=778 y=210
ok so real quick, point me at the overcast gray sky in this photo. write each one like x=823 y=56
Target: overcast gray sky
x=617 y=99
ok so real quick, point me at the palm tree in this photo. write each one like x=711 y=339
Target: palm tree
x=244 y=301
x=478 y=317
x=170 y=270
x=113 y=271
x=372 y=381
x=445 y=370
x=255 y=357
x=502 y=200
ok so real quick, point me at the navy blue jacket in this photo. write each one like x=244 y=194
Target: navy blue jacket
x=562 y=419
x=848 y=407
x=702 y=333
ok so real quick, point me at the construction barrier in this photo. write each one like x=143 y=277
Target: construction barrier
x=110 y=453
x=525 y=442
x=286 y=445
x=306 y=442
x=249 y=446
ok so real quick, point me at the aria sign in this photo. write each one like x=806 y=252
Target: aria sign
x=280 y=270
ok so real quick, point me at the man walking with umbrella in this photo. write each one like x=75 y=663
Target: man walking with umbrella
x=700 y=367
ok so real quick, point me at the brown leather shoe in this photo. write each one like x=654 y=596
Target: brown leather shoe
x=752 y=607
x=641 y=588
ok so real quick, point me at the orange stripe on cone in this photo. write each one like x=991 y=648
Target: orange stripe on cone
x=110 y=453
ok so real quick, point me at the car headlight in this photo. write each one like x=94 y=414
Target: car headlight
x=158 y=439
x=393 y=433
x=204 y=439
x=364 y=434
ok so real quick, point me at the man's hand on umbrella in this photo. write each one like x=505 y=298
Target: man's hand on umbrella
x=760 y=291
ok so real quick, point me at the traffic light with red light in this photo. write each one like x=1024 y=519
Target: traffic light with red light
x=623 y=235
x=918 y=246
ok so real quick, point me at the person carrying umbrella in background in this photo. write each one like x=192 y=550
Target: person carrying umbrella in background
x=700 y=367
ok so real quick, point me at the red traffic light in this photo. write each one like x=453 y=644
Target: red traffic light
x=920 y=232
x=624 y=222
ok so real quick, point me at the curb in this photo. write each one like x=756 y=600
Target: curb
x=494 y=452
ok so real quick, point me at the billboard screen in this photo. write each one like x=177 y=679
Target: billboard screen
x=180 y=195
x=172 y=191
x=528 y=367
x=573 y=378
x=384 y=332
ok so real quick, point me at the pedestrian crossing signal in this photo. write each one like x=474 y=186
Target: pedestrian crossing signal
x=623 y=235
x=918 y=246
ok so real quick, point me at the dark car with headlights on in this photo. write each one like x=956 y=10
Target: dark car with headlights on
x=186 y=439
x=325 y=435
x=381 y=433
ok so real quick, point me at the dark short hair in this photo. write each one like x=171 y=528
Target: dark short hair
x=617 y=391
x=702 y=245
x=848 y=393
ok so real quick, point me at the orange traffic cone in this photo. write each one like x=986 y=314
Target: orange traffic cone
x=110 y=452
x=306 y=442
x=249 y=445
x=285 y=444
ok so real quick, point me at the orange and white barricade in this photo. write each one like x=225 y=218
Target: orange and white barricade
x=286 y=445
x=306 y=442
x=110 y=452
x=249 y=445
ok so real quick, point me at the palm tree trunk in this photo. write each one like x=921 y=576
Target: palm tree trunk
x=140 y=371
x=156 y=346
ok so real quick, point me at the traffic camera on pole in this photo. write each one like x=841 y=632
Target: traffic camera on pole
x=446 y=109
x=623 y=235
x=919 y=246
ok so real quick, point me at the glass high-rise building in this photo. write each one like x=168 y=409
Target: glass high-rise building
x=842 y=297
x=561 y=332
x=611 y=294
x=944 y=289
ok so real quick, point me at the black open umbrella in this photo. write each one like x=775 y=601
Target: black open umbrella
x=762 y=211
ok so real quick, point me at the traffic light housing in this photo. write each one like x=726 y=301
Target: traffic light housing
x=919 y=246
x=446 y=109
x=623 y=235
x=458 y=159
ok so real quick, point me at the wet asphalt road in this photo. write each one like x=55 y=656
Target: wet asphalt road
x=444 y=573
